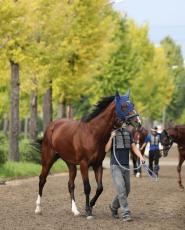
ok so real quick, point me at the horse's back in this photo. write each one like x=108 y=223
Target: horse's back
x=64 y=129
x=63 y=134
x=181 y=129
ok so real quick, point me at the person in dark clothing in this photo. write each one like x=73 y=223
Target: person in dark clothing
x=120 y=144
x=154 y=152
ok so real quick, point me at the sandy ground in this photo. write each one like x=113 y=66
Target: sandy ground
x=154 y=205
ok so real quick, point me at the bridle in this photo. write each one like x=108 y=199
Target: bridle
x=170 y=141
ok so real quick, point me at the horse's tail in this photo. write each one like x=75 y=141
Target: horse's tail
x=36 y=150
x=37 y=144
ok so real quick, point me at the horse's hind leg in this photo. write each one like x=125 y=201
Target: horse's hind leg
x=87 y=187
x=181 y=160
x=98 y=171
x=71 y=187
x=48 y=158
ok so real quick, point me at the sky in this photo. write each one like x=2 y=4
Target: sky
x=164 y=17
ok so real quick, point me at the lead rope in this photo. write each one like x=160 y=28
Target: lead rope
x=150 y=173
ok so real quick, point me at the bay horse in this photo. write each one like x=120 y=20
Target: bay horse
x=83 y=143
x=175 y=134
x=139 y=134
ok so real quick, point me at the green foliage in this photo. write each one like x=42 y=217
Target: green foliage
x=151 y=92
x=181 y=119
x=137 y=65
x=116 y=74
x=4 y=86
x=3 y=148
x=82 y=107
x=53 y=40
x=176 y=67
x=85 y=50
x=85 y=47
x=173 y=52
x=14 y=170
x=13 y=29
x=28 y=151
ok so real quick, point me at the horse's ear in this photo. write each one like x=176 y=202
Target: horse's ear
x=117 y=96
x=164 y=132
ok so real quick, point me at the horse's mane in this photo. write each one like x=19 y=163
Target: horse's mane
x=98 y=108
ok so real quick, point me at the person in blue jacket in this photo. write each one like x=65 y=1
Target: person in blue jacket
x=154 y=151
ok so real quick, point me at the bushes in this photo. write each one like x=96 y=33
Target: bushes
x=3 y=148
x=28 y=151
x=29 y=155
x=12 y=170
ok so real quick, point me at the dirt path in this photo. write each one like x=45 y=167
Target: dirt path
x=155 y=205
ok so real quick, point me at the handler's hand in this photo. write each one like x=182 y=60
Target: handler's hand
x=113 y=134
x=142 y=160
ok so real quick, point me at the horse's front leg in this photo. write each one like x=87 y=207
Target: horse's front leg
x=71 y=187
x=98 y=171
x=87 y=188
x=181 y=160
x=134 y=160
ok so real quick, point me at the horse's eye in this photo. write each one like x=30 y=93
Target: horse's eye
x=124 y=106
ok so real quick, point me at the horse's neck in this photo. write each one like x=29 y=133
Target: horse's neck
x=137 y=137
x=138 y=140
x=141 y=136
x=180 y=134
x=102 y=125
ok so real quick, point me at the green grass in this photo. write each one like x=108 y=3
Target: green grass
x=15 y=170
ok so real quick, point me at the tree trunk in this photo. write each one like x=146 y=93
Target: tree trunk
x=148 y=123
x=47 y=108
x=61 y=110
x=33 y=117
x=14 y=113
x=69 y=112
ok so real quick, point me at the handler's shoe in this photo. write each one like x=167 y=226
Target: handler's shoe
x=138 y=174
x=114 y=212
x=127 y=217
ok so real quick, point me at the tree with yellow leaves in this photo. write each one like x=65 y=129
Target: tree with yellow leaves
x=12 y=43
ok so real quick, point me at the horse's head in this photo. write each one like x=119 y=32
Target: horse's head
x=139 y=135
x=125 y=110
x=166 y=141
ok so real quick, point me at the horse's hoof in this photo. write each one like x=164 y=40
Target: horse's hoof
x=38 y=211
x=182 y=188
x=76 y=213
x=90 y=217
